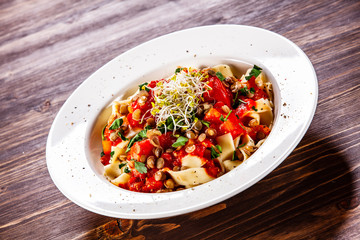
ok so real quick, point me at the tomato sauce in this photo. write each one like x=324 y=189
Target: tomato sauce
x=224 y=122
x=218 y=93
x=145 y=108
x=229 y=114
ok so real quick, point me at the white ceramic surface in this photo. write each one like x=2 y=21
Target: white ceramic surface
x=74 y=142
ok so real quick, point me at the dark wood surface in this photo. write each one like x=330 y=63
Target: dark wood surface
x=48 y=48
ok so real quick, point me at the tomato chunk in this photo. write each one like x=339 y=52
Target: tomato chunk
x=218 y=92
x=106 y=146
x=140 y=148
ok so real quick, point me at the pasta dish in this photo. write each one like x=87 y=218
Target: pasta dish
x=186 y=129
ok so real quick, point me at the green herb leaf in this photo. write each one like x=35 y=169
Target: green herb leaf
x=234 y=156
x=178 y=70
x=116 y=124
x=102 y=154
x=255 y=72
x=220 y=76
x=252 y=90
x=121 y=165
x=240 y=146
x=219 y=148
x=228 y=115
x=142 y=133
x=235 y=104
x=169 y=122
x=214 y=152
x=140 y=167
x=222 y=118
x=126 y=170
x=244 y=91
x=102 y=133
x=138 y=137
x=237 y=116
x=253 y=107
x=205 y=123
x=169 y=125
x=143 y=87
x=122 y=136
x=181 y=141
x=112 y=153
x=135 y=139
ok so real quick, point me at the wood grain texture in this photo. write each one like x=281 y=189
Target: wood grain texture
x=48 y=48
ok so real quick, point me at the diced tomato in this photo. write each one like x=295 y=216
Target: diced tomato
x=213 y=116
x=228 y=124
x=259 y=93
x=138 y=176
x=152 y=84
x=218 y=92
x=211 y=169
x=166 y=140
x=136 y=186
x=151 y=185
x=134 y=123
x=243 y=108
x=106 y=146
x=255 y=130
x=107 y=132
x=143 y=147
x=231 y=125
x=170 y=161
x=105 y=159
x=117 y=141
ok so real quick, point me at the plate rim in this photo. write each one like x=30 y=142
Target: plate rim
x=210 y=202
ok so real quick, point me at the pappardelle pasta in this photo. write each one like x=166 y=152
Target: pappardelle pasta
x=187 y=129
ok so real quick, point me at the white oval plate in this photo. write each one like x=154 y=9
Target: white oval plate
x=73 y=145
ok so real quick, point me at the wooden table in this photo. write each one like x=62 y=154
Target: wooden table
x=48 y=48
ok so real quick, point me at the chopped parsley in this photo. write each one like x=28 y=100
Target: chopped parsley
x=240 y=146
x=167 y=125
x=222 y=118
x=235 y=103
x=142 y=133
x=219 y=148
x=178 y=70
x=116 y=124
x=215 y=151
x=181 y=141
x=121 y=165
x=205 y=123
x=102 y=133
x=220 y=76
x=226 y=118
x=126 y=170
x=138 y=137
x=228 y=115
x=244 y=91
x=253 y=107
x=121 y=135
x=234 y=156
x=112 y=153
x=252 y=90
x=140 y=167
x=255 y=72
x=102 y=154
x=143 y=87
